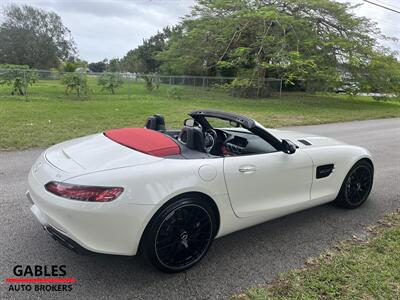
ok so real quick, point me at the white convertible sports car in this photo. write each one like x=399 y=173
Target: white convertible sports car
x=168 y=194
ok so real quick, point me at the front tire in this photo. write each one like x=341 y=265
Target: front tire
x=179 y=235
x=356 y=186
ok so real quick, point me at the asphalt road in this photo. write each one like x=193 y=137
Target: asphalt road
x=249 y=257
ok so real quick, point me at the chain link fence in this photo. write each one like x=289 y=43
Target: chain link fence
x=26 y=82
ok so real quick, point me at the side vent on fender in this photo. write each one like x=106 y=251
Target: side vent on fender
x=324 y=171
x=304 y=142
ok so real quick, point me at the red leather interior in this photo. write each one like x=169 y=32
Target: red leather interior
x=144 y=140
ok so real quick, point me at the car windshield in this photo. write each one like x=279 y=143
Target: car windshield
x=220 y=123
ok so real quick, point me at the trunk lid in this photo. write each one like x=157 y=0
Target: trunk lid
x=94 y=153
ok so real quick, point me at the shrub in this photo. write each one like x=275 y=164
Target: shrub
x=386 y=97
x=175 y=92
x=68 y=66
x=20 y=77
x=151 y=82
x=75 y=82
x=352 y=89
x=110 y=82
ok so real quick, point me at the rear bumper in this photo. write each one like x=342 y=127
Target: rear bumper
x=109 y=228
x=65 y=241
x=55 y=233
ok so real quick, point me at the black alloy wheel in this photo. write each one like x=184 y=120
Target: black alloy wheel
x=356 y=186
x=179 y=235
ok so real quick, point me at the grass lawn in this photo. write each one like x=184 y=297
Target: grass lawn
x=49 y=116
x=354 y=270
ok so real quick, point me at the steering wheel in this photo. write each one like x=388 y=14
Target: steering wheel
x=210 y=136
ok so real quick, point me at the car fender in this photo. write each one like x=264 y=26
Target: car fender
x=343 y=158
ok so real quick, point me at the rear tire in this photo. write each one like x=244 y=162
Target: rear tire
x=356 y=186
x=179 y=235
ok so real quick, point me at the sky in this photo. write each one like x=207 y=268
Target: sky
x=387 y=21
x=110 y=28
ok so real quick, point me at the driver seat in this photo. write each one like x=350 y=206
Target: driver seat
x=156 y=123
x=192 y=137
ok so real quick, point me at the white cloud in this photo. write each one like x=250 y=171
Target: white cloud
x=110 y=28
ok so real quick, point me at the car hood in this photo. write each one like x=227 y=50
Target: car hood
x=303 y=139
x=94 y=153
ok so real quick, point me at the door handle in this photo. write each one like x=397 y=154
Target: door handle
x=247 y=169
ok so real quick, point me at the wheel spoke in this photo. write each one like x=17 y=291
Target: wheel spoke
x=167 y=246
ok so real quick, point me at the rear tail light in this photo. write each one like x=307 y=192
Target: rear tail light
x=84 y=193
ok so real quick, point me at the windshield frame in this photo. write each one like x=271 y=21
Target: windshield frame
x=251 y=125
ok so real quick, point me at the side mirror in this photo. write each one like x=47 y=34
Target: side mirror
x=288 y=146
x=189 y=122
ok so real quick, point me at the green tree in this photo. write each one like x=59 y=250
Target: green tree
x=311 y=41
x=33 y=37
x=380 y=75
x=113 y=65
x=143 y=58
x=98 y=67
x=151 y=82
x=75 y=82
x=19 y=77
x=110 y=82
x=68 y=66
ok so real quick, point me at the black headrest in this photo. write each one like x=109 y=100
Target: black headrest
x=192 y=137
x=156 y=123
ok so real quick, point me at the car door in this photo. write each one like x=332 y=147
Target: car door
x=271 y=183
